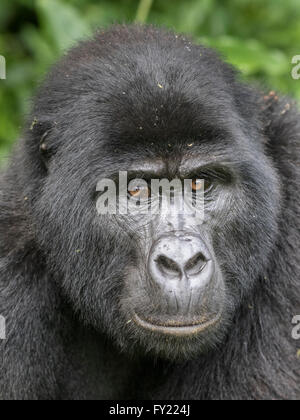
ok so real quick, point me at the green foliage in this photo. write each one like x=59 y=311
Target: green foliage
x=259 y=37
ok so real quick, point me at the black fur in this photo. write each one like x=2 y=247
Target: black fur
x=130 y=93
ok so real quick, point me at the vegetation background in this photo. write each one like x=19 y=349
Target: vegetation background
x=259 y=37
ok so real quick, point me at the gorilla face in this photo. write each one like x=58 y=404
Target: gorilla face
x=161 y=283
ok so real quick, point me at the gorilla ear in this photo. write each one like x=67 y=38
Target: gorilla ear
x=43 y=134
x=45 y=149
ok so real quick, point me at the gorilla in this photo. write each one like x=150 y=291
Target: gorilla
x=156 y=305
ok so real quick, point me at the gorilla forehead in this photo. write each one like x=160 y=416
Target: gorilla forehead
x=166 y=99
x=154 y=85
x=165 y=116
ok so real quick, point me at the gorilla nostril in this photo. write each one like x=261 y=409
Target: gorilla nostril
x=167 y=266
x=195 y=265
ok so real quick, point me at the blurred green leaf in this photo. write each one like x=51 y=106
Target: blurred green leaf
x=62 y=23
x=250 y=56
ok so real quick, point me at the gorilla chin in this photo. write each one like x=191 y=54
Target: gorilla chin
x=179 y=341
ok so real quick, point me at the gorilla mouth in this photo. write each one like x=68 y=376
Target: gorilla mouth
x=175 y=327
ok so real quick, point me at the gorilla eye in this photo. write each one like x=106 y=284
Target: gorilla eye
x=139 y=191
x=197 y=184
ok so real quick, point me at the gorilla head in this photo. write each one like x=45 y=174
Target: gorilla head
x=158 y=108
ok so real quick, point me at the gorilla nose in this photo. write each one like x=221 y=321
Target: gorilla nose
x=180 y=257
x=173 y=268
